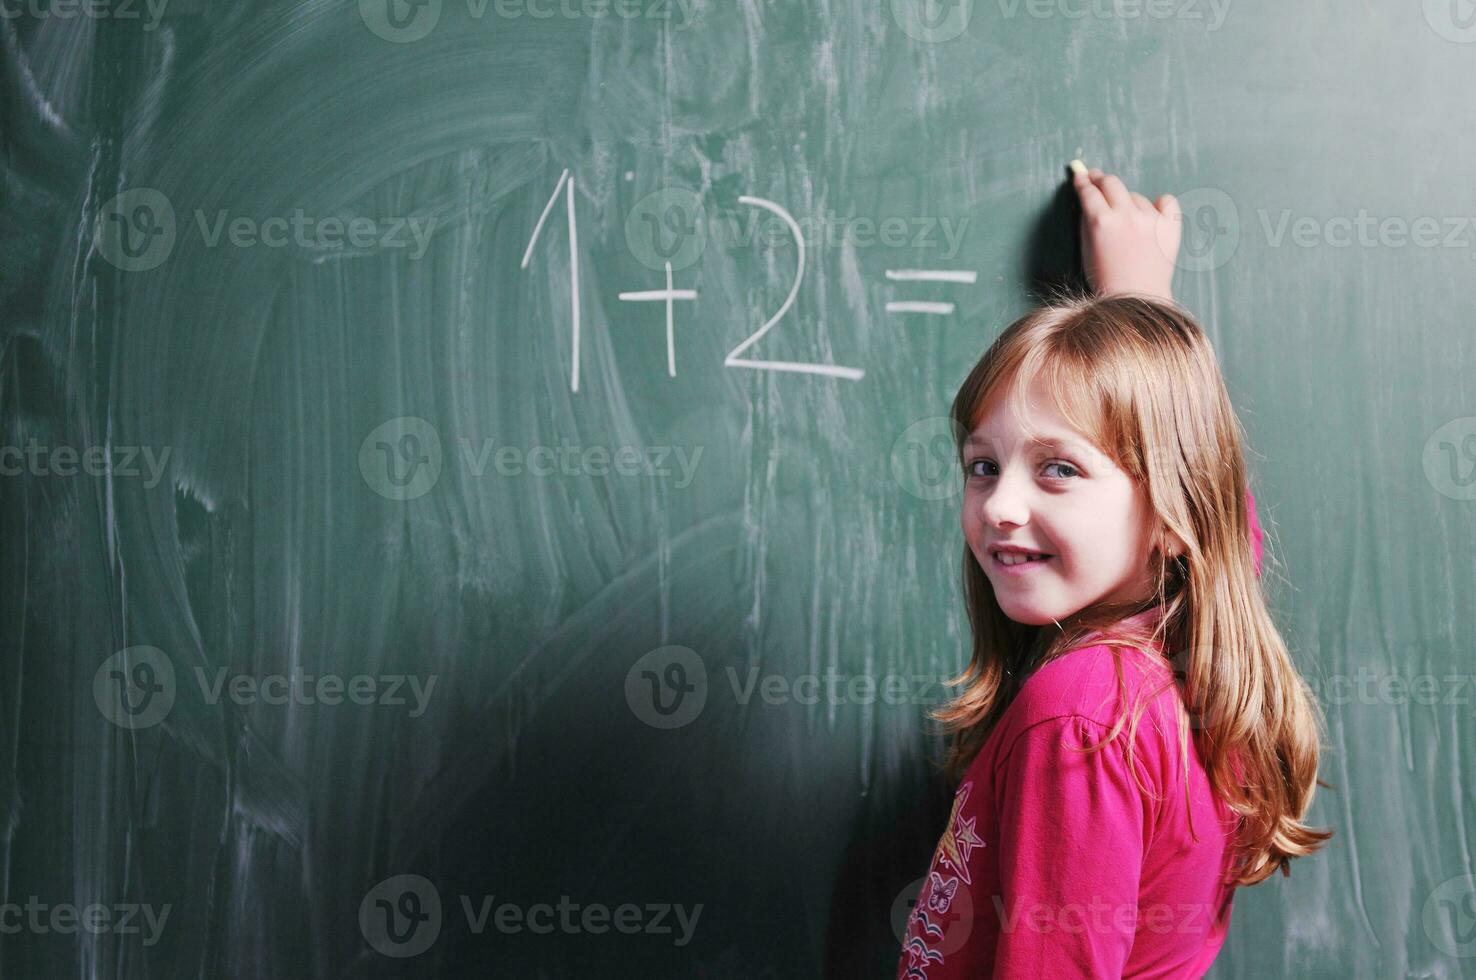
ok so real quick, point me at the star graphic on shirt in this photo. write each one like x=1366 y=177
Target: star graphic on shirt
x=959 y=838
x=965 y=838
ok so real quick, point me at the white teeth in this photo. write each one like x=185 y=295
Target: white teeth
x=1014 y=559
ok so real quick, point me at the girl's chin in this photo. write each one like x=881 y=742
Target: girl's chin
x=1032 y=620
x=1030 y=617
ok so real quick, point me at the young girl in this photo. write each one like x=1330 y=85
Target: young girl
x=1133 y=738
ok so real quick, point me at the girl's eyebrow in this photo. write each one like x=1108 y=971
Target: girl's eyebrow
x=1058 y=442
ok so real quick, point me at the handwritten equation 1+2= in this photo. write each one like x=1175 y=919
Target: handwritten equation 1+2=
x=670 y=295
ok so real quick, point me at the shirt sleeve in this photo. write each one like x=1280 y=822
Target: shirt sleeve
x=1073 y=830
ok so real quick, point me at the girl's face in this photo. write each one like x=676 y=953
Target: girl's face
x=1052 y=492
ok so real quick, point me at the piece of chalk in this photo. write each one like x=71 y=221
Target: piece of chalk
x=1077 y=167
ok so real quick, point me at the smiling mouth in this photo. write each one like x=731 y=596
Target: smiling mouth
x=1017 y=561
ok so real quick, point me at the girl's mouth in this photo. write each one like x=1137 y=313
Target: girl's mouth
x=1019 y=564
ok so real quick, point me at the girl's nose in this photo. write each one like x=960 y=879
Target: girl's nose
x=1005 y=503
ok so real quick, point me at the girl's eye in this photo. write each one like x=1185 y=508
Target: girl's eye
x=1072 y=471
x=984 y=467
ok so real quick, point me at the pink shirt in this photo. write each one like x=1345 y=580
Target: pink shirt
x=1054 y=863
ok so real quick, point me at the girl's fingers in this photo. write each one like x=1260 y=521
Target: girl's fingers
x=1101 y=191
x=1092 y=201
x=1115 y=191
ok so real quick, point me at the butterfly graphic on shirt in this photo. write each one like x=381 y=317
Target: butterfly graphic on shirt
x=959 y=838
x=940 y=896
x=942 y=917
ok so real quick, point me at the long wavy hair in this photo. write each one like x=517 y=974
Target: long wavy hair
x=1140 y=379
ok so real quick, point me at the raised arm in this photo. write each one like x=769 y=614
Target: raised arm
x=1129 y=245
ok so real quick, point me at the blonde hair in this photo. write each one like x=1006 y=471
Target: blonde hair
x=1140 y=379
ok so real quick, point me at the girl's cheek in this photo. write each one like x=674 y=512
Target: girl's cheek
x=968 y=513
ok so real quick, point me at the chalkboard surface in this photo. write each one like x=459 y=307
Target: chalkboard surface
x=478 y=498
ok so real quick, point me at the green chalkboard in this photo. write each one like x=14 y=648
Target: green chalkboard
x=477 y=493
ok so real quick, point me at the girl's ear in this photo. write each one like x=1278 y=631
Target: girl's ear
x=1170 y=544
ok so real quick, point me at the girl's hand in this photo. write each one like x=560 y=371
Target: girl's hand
x=1128 y=243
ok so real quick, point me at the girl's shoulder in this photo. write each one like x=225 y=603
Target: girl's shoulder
x=1083 y=683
